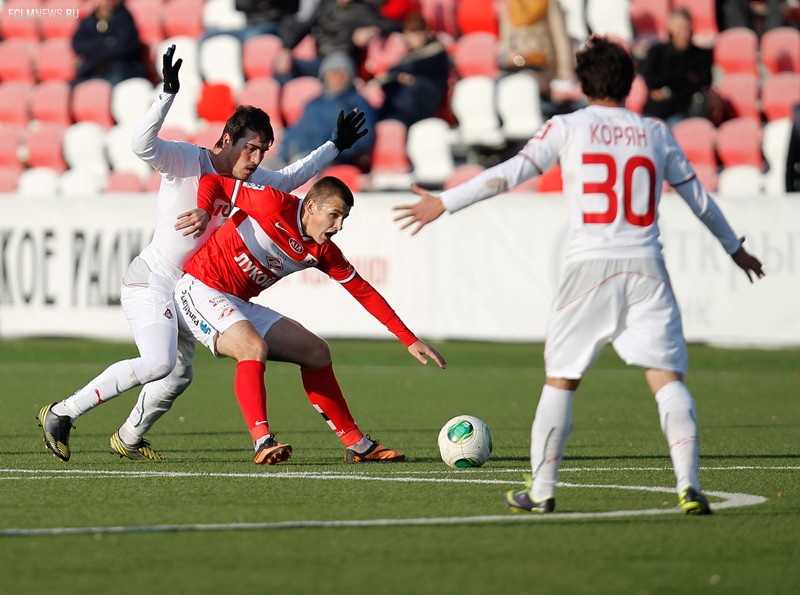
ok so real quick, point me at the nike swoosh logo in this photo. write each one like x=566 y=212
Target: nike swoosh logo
x=281 y=227
x=261 y=423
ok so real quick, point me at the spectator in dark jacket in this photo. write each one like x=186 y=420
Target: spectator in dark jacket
x=107 y=45
x=677 y=73
x=416 y=87
x=313 y=128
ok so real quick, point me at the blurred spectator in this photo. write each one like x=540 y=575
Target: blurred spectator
x=107 y=45
x=337 y=73
x=677 y=73
x=336 y=26
x=793 y=157
x=264 y=16
x=416 y=87
x=758 y=16
x=533 y=36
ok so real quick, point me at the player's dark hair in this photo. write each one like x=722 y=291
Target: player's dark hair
x=605 y=69
x=247 y=117
x=328 y=188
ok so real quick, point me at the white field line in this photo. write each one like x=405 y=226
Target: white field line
x=729 y=500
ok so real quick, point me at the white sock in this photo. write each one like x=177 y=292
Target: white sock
x=362 y=445
x=261 y=441
x=679 y=424
x=113 y=381
x=549 y=433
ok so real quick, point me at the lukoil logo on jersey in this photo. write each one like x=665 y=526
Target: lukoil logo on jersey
x=251 y=269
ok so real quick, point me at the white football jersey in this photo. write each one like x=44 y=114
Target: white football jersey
x=613 y=165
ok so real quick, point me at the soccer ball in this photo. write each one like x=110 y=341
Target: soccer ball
x=465 y=441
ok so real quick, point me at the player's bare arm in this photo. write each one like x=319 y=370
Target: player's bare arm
x=748 y=263
x=193 y=222
x=427 y=209
x=422 y=351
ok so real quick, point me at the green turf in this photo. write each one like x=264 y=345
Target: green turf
x=749 y=414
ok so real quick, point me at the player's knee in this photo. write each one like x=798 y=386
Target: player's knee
x=149 y=369
x=181 y=380
x=318 y=354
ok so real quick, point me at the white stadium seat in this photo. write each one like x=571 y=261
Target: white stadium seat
x=473 y=105
x=430 y=151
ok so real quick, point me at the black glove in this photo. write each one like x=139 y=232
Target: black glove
x=349 y=129
x=169 y=71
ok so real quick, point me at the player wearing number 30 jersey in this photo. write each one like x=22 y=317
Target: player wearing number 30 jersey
x=614 y=287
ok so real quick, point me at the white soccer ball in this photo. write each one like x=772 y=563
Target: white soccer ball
x=465 y=441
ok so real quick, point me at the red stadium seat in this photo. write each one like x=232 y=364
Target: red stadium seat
x=147 y=16
x=16 y=60
x=649 y=18
x=296 y=93
x=735 y=51
x=50 y=103
x=55 y=60
x=349 y=174
x=780 y=50
x=704 y=19
x=14 y=101
x=216 y=102
x=389 y=152
x=779 y=93
x=638 y=95
x=183 y=18
x=153 y=183
x=739 y=143
x=382 y=54
x=208 y=134
x=45 y=147
x=9 y=149
x=550 y=181
x=264 y=93
x=708 y=175
x=14 y=27
x=440 y=15
x=473 y=16
x=740 y=92
x=697 y=138
x=9 y=177
x=475 y=54
x=461 y=174
x=258 y=54
x=306 y=49
x=91 y=102
x=123 y=181
x=61 y=27
x=173 y=133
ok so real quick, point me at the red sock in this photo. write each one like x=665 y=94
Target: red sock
x=252 y=396
x=325 y=395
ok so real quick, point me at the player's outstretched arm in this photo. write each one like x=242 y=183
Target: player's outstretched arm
x=427 y=209
x=422 y=351
x=748 y=263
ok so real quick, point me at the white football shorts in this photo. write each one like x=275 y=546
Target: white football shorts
x=626 y=302
x=208 y=312
x=147 y=298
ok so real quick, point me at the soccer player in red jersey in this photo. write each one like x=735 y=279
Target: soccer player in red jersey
x=272 y=235
x=614 y=288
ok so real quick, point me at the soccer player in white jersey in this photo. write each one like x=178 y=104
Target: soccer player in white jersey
x=181 y=229
x=271 y=236
x=614 y=287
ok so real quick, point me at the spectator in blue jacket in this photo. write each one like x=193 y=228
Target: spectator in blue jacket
x=313 y=128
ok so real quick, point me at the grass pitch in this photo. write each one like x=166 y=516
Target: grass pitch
x=209 y=521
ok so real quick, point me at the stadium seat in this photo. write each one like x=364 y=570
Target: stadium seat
x=462 y=173
x=16 y=60
x=704 y=20
x=638 y=95
x=221 y=15
x=741 y=180
x=519 y=105
x=45 y=147
x=779 y=93
x=264 y=93
x=780 y=50
x=429 y=150
x=550 y=181
x=221 y=61
x=118 y=150
x=50 y=101
x=14 y=102
x=38 y=182
x=649 y=18
x=306 y=49
x=84 y=147
x=775 y=146
x=383 y=53
x=473 y=16
x=91 y=102
x=182 y=18
x=81 y=182
x=61 y=27
x=349 y=174
x=708 y=176
x=130 y=100
x=55 y=60
x=208 y=134
x=174 y=133
x=123 y=181
x=12 y=27
x=13 y=136
x=153 y=182
x=740 y=92
x=610 y=17
x=295 y=94
x=390 y=166
x=440 y=15
x=475 y=54
x=739 y=143
x=9 y=177
x=575 y=19
x=473 y=105
x=697 y=138
x=258 y=55
x=216 y=102
x=147 y=16
x=735 y=50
